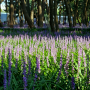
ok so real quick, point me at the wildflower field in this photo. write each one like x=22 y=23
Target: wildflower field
x=42 y=61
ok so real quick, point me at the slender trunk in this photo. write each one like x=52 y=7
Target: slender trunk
x=26 y=14
x=89 y=16
x=78 y=19
x=32 y=12
x=75 y=12
x=11 y=13
x=51 y=15
x=68 y=12
x=55 y=15
x=40 y=19
x=63 y=11
x=43 y=8
x=60 y=14
x=85 y=10
x=37 y=13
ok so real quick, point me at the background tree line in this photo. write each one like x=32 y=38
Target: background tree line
x=78 y=9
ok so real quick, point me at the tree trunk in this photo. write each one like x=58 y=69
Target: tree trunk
x=32 y=12
x=78 y=19
x=75 y=12
x=63 y=11
x=60 y=14
x=85 y=11
x=43 y=8
x=40 y=19
x=37 y=14
x=26 y=14
x=51 y=15
x=68 y=12
x=11 y=13
x=55 y=15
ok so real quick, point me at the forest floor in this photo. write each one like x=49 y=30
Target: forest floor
x=46 y=25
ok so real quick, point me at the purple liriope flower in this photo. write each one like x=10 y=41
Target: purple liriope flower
x=16 y=64
x=35 y=38
x=43 y=52
x=6 y=49
x=38 y=64
x=24 y=77
x=72 y=64
x=25 y=52
x=73 y=84
x=60 y=68
x=67 y=62
x=88 y=66
x=5 y=80
x=17 y=54
x=79 y=61
x=34 y=80
x=29 y=71
x=2 y=63
x=84 y=62
x=9 y=72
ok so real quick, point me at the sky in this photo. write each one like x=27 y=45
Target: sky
x=3 y=6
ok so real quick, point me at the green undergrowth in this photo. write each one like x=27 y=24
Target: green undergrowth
x=67 y=31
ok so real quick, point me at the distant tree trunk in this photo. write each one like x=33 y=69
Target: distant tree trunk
x=26 y=14
x=28 y=7
x=60 y=14
x=14 y=12
x=87 y=3
x=11 y=13
x=51 y=15
x=78 y=19
x=43 y=9
x=40 y=19
x=55 y=15
x=48 y=11
x=75 y=12
x=32 y=12
x=68 y=12
x=37 y=14
x=89 y=16
x=63 y=11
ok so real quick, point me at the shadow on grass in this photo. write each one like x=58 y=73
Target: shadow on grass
x=44 y=31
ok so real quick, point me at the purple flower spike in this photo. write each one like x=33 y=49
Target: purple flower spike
x=38 y=64
x=73 y=84
x=16 y=64
x=2 y=63
x=9 y=72
x=5 y=80
x=60 y=68
x=24 y=77
x=29 y=72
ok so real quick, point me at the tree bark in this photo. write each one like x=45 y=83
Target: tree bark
x=32 y=12
x=43 y=8
x=55 y=15
x=75 y=12
x=60 y=14
x=26 y=14
x=68 y=12
x=40 y=18
x=85 y=10
x=11 y=14
x=51 y=16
